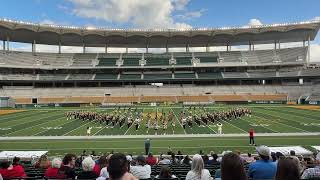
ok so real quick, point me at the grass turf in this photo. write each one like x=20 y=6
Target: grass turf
x=52 y=122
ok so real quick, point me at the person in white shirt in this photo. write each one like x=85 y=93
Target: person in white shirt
x=89 y=131
x=219 y=128
x=197 y=171
x=141 y=170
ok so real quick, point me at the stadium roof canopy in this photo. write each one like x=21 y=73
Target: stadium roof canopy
x=18 y=31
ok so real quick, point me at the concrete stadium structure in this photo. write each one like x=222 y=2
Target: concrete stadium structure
x=274 y=75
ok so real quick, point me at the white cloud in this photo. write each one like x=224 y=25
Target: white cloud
x=316 y=18
x=138 y=13
x=255 y=22
x=180 y=4
x=47 y=21
x=191 y=14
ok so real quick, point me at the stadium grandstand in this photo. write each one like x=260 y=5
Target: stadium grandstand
x=278 y=74
x=57 y=103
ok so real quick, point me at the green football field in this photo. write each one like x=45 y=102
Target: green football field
x=52 y=122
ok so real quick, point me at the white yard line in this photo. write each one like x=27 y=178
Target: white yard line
x=260 y=126
x=76 y=128
x=30 y=126
x=285 y=119
x=178 y=121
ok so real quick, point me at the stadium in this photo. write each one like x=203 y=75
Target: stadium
x=49 y=100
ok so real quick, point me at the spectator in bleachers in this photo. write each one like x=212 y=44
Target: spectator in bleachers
x=313 y=172
x=141 y=170
x=151 y=160
x=273 y=157
x=179 y=156
x=213 y=159
x=279 y=155
x=296 y=159
x=249 y=158
x=174 y=160
x=11 y=171
x=52 y=172
x=263 y=168
x=197 y=171
x=287 y=169
x=232 y=167
x=99 y=164
x=205 y=159
x=68 y=165
x=186 y=160
x=87 y=169
x=165 y=173
x=164 y=160
x=118 y=168
x=104 y=174
x=43 y=162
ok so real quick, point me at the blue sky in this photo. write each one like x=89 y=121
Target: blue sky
x=161 y=13
x=215 y=13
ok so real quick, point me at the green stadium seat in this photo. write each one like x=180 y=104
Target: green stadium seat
x=106 y=76
x=131 y=62
x=208 y=59
x=157 y=76
x=130 y=76
x=210 y=75
x=157 y=61
x=183 y=60
x=107 y=61
x=184 y=76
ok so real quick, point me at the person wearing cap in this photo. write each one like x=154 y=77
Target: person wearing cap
x=141 y=170
x=147 y=146
x=312 y=172
x=263 y=168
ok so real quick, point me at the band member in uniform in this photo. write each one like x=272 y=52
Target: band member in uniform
x=165 y=126
x=173 y=126
x=156 y=127
x=137 y=122
x=184 y=122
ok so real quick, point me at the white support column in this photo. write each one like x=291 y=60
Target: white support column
x=207 y=49
x=304 y=43
x=250 y=46
x=84 y=48
x=59 y=46
x=4 y=45
x=253 y=46
x=147 y=48
x=279 y=45
x=127 y=50
x=34 y=50
x=308 y=50
x=8 y=39
x=187 y=47
x=167 y=49
x=106 y=48
x=275 y=45
x=228 y=47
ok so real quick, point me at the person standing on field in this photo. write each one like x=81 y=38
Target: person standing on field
x=147 y=146
x=251 y=136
